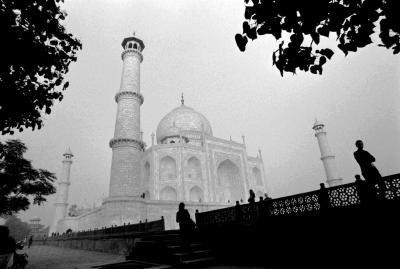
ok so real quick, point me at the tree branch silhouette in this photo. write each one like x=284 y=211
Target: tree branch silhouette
x=351 y=21
x=37 y=52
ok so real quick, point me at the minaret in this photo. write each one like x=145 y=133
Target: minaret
x=327 y=157
x=62 y=191
x=127 y=143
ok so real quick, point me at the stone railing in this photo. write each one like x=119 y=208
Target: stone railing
x=314 y=202
x=117 y=239
x=151 y=226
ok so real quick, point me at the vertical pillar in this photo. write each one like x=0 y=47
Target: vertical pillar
x=327 y=157
x=127 y=144
x=62 y=191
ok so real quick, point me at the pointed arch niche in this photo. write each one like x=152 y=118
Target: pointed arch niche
x=147 y=195
x=193 y=169
x=168 y=194
x=229 y=182
x=196 y=194
x=147 y=172
x=167 y=168
x=257 y=176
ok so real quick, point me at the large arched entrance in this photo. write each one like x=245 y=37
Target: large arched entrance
x=193 y=169
x=196 y=194
x=168 y=194
x=229 y=182
x=167 y=168
x=257 y=176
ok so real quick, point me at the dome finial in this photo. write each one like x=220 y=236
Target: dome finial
x=182 y=99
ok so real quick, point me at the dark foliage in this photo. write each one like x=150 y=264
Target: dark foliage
x=306 y=21
x=19 y=181
x=36 y=52
x=18 y=229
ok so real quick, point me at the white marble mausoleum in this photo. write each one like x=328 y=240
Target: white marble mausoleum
x=185 y=162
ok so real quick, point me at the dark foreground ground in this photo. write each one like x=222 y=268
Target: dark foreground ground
x=48 y=257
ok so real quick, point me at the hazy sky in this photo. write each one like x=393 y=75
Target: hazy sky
x=190 y=48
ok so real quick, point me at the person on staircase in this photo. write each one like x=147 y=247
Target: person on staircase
x=186 y=225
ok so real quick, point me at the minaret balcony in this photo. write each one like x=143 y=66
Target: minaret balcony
x=130 y=94
x=134 y=52
x=123 y=142
x=327 y=157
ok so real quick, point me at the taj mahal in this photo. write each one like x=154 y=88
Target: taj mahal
x=185 y=162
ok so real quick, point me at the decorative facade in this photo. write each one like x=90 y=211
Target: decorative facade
x=187 y=163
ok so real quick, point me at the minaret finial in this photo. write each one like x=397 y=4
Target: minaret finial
x=182 y=99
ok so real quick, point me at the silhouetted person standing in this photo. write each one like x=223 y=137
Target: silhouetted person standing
x=252 y=197
x=324 y=198
x=30 y=241
x=368 y=169
x=364 y=192
x=238 y=212
x=7 y=248
x=186 y=225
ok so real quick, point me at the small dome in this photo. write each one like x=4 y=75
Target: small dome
x=184 y=119
x=317 y=124
x=68 y=152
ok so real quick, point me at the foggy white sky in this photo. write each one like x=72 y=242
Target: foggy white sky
x=190 y=48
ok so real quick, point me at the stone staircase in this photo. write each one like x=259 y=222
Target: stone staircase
x=166 y=248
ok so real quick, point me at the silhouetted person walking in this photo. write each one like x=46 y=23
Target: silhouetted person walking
x=30 y=241
x=368 y=169
x=252 y=197
x=186 y=225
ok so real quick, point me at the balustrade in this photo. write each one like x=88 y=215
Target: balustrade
x=314 y=202
x=157 y=225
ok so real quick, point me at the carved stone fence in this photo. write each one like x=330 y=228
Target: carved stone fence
x=151 y=226
x=355 y=194
x=117 y=239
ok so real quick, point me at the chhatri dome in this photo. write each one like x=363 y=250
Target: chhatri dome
x=184 y=121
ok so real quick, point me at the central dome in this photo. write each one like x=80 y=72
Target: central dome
x=184 y=119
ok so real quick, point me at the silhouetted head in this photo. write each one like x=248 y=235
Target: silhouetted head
x=359 y=144
x=237 y=203
x=358 y=177
x=322 y=185
x=251 y=192
x=181 y=206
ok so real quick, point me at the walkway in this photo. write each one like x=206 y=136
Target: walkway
x=46 y=257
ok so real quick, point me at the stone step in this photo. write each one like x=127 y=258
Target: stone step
x=198 y=263
x=160 y=237
x=178 y=248
x=146 y=244
x=198 y=254
x=133 y=264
